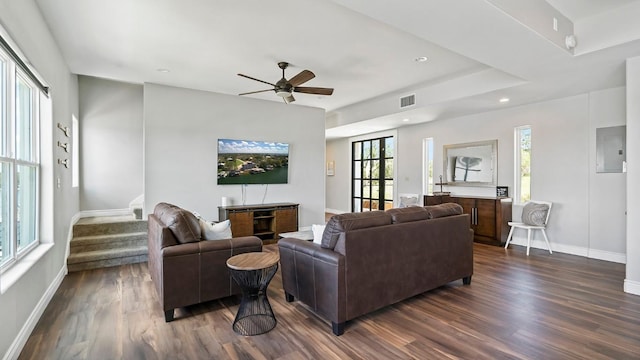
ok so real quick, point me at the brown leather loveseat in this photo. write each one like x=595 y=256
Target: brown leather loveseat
x=185 y=269
x=373 y=259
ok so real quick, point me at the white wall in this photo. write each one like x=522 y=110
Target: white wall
x=181 y=129
x=563 y=167
x=632 y=281
x=111 y=140
x=606 y=200
x=338 y=185
x=22 y=304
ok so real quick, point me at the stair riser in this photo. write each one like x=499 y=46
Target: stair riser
x=114 y=244
x=135 y=226
x=106 y=263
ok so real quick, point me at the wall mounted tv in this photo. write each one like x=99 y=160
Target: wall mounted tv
x=252 y=162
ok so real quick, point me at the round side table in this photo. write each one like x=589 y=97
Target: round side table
x=253 y=271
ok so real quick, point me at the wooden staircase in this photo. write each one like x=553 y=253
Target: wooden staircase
x=106 y=241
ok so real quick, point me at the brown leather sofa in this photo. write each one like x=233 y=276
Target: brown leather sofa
x=373 y=259
x=185 y=269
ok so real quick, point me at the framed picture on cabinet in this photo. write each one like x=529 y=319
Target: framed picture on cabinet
x=502 y=191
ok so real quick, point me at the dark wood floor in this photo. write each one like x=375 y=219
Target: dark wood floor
x=517 y=307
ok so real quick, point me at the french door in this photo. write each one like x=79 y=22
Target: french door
x=372 y=174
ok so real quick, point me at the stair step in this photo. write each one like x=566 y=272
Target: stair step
x=104 y=242
x=109 y=254
x=97 y=226
x=97 y=264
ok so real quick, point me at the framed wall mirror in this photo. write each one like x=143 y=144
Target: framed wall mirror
x=471 y=164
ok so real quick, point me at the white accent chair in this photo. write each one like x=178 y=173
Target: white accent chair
x=521 y=225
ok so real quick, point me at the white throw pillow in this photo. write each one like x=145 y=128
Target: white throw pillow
x=317 y=230
x=219 y=231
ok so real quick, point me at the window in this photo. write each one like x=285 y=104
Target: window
x=523 y=164
x=19 y=160
x=427 y=176
x=372 y=174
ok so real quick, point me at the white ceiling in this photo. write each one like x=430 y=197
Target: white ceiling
x=478 y=50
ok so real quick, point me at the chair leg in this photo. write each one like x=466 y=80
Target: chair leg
x=544 y=233
x=528 y=240
x=509 y=237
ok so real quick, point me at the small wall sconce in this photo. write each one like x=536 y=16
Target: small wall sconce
x=65 y=129
x=65 y=146
x=64 y=162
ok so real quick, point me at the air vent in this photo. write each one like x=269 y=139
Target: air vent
x=407 y=101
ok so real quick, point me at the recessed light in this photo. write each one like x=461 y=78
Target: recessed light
x=421 y=59
x=405 y=120
x=504 y=100
x=163 y=70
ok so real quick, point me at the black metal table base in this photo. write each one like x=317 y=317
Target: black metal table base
x=254 y=316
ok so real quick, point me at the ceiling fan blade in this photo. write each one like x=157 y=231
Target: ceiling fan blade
x=289 y=99
x=252 y=78
x=255 y=92
x=313 y=90
x=301 y=78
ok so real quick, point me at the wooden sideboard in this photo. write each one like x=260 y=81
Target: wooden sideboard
x=265 y=221
x=489 y=215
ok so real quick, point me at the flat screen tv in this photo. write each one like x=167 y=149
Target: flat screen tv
x=252 y=162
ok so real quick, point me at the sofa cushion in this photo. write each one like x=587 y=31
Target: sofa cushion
x=182 y=223
x=407 y=214
x=215 y=231
x=162 y=208
x=442 y=210
x=351 y=221
x=534 y=214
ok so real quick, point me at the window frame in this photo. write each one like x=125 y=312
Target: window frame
x=11 y=75
x=518 y=193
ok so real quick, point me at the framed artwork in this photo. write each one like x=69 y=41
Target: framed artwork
x=502 y=191
x=331 y=168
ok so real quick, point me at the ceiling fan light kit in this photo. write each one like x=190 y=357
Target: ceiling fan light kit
x=285 y=88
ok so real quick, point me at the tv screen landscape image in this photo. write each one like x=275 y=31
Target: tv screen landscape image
x=252 y=162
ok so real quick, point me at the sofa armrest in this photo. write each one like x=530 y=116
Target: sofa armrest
x=315 y=276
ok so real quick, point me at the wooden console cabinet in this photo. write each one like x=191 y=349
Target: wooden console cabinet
x=489 y=215
x=265 y=221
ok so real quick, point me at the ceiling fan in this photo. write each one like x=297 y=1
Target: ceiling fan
x=285 y=88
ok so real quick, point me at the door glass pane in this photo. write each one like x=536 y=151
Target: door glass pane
x=388 y=147
x=357 y=151
x=375 y=169
x=26 y=205
x=357 y=205
x=388 y=169
x=24 y=120
x=357 y=188
x=375 y=149
x=366 y=188
x=5 y=212
x=357 y=169
x=366 y=171
x=375 y=189
x=366 y=205
x=388 y=190
x=366 y=149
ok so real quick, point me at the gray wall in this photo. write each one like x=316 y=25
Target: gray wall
x=181 y=129
x=337 y=188
x=588 y=216
x=111 y=143
x=23 y=302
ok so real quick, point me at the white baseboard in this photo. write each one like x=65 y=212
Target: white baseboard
x=109 y=212
x=334 y=211
x=573 y=250
x=632 y=287
x=20 y=341
x=607 y=256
